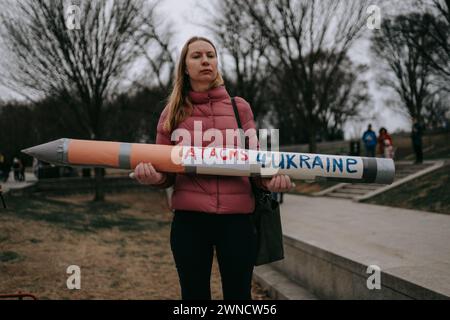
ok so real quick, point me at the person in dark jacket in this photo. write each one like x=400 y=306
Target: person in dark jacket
x=18 y=169
x=370 y=141
x=5 y=168
x=416 y=137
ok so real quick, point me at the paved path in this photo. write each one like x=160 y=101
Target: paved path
x=30 y=178
x=409 y=244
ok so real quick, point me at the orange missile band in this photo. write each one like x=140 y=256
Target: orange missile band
x=120 y=154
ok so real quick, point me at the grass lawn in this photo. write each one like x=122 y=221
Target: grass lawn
x=122 y=247
x=429 y=193
x=440 y=152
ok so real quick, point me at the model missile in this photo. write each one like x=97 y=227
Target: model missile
x=215 y=160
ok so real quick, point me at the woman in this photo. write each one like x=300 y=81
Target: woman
x=385 y=144
x=209 y=211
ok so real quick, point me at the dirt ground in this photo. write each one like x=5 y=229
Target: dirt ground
x=121 y=246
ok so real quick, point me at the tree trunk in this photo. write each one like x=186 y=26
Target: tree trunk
x=99 y=191
x=312 y=139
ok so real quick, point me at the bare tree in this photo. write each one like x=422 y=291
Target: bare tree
x=342 y=98
x=79 y=53
x=158 y=53
x=298 y=32
x=15 y=131
x=436 y=23
x=247 y=73
x=436 y=112
x=406 y=70
x=339 y=101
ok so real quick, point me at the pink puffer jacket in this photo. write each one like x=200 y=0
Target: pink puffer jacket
x=208 y=193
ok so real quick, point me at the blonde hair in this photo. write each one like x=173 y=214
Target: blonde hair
x=178 y=104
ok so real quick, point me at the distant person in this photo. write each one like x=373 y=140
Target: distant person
x=22 y=171
x=416 y=137
x=370 y=141
x=386 y=146
x=18 y=169
x=2 y=163
x=35 y=167
x=5 y=168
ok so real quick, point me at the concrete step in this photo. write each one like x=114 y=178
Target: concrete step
x=401 y=177
x=404 y=178
x=353 y=191
x=278 y=286
x=405 y=172
x=330 y=244
x=411 y=168
x=357 y=190
x=368 y=187
x=325 y=274
x=349 y=191
x=341 y=195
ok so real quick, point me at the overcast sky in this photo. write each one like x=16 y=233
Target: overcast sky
x=181 y=12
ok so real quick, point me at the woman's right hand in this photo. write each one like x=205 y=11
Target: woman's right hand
x=145 y=173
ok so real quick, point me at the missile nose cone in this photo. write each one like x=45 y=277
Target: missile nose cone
x=53 y=152
x=32 y=151
x=28 y=151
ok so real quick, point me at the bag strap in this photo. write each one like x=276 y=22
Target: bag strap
x=236 y=113
x=238 y=120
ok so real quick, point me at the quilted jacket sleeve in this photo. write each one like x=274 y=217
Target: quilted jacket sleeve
x=163 y=137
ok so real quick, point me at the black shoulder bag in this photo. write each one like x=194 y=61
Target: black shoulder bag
x=266 y=218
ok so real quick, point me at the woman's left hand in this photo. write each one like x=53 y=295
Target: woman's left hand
x=278 y=183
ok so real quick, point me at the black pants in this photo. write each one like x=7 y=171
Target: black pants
x=418 y=151
x=193 y=237
x=370 y=151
